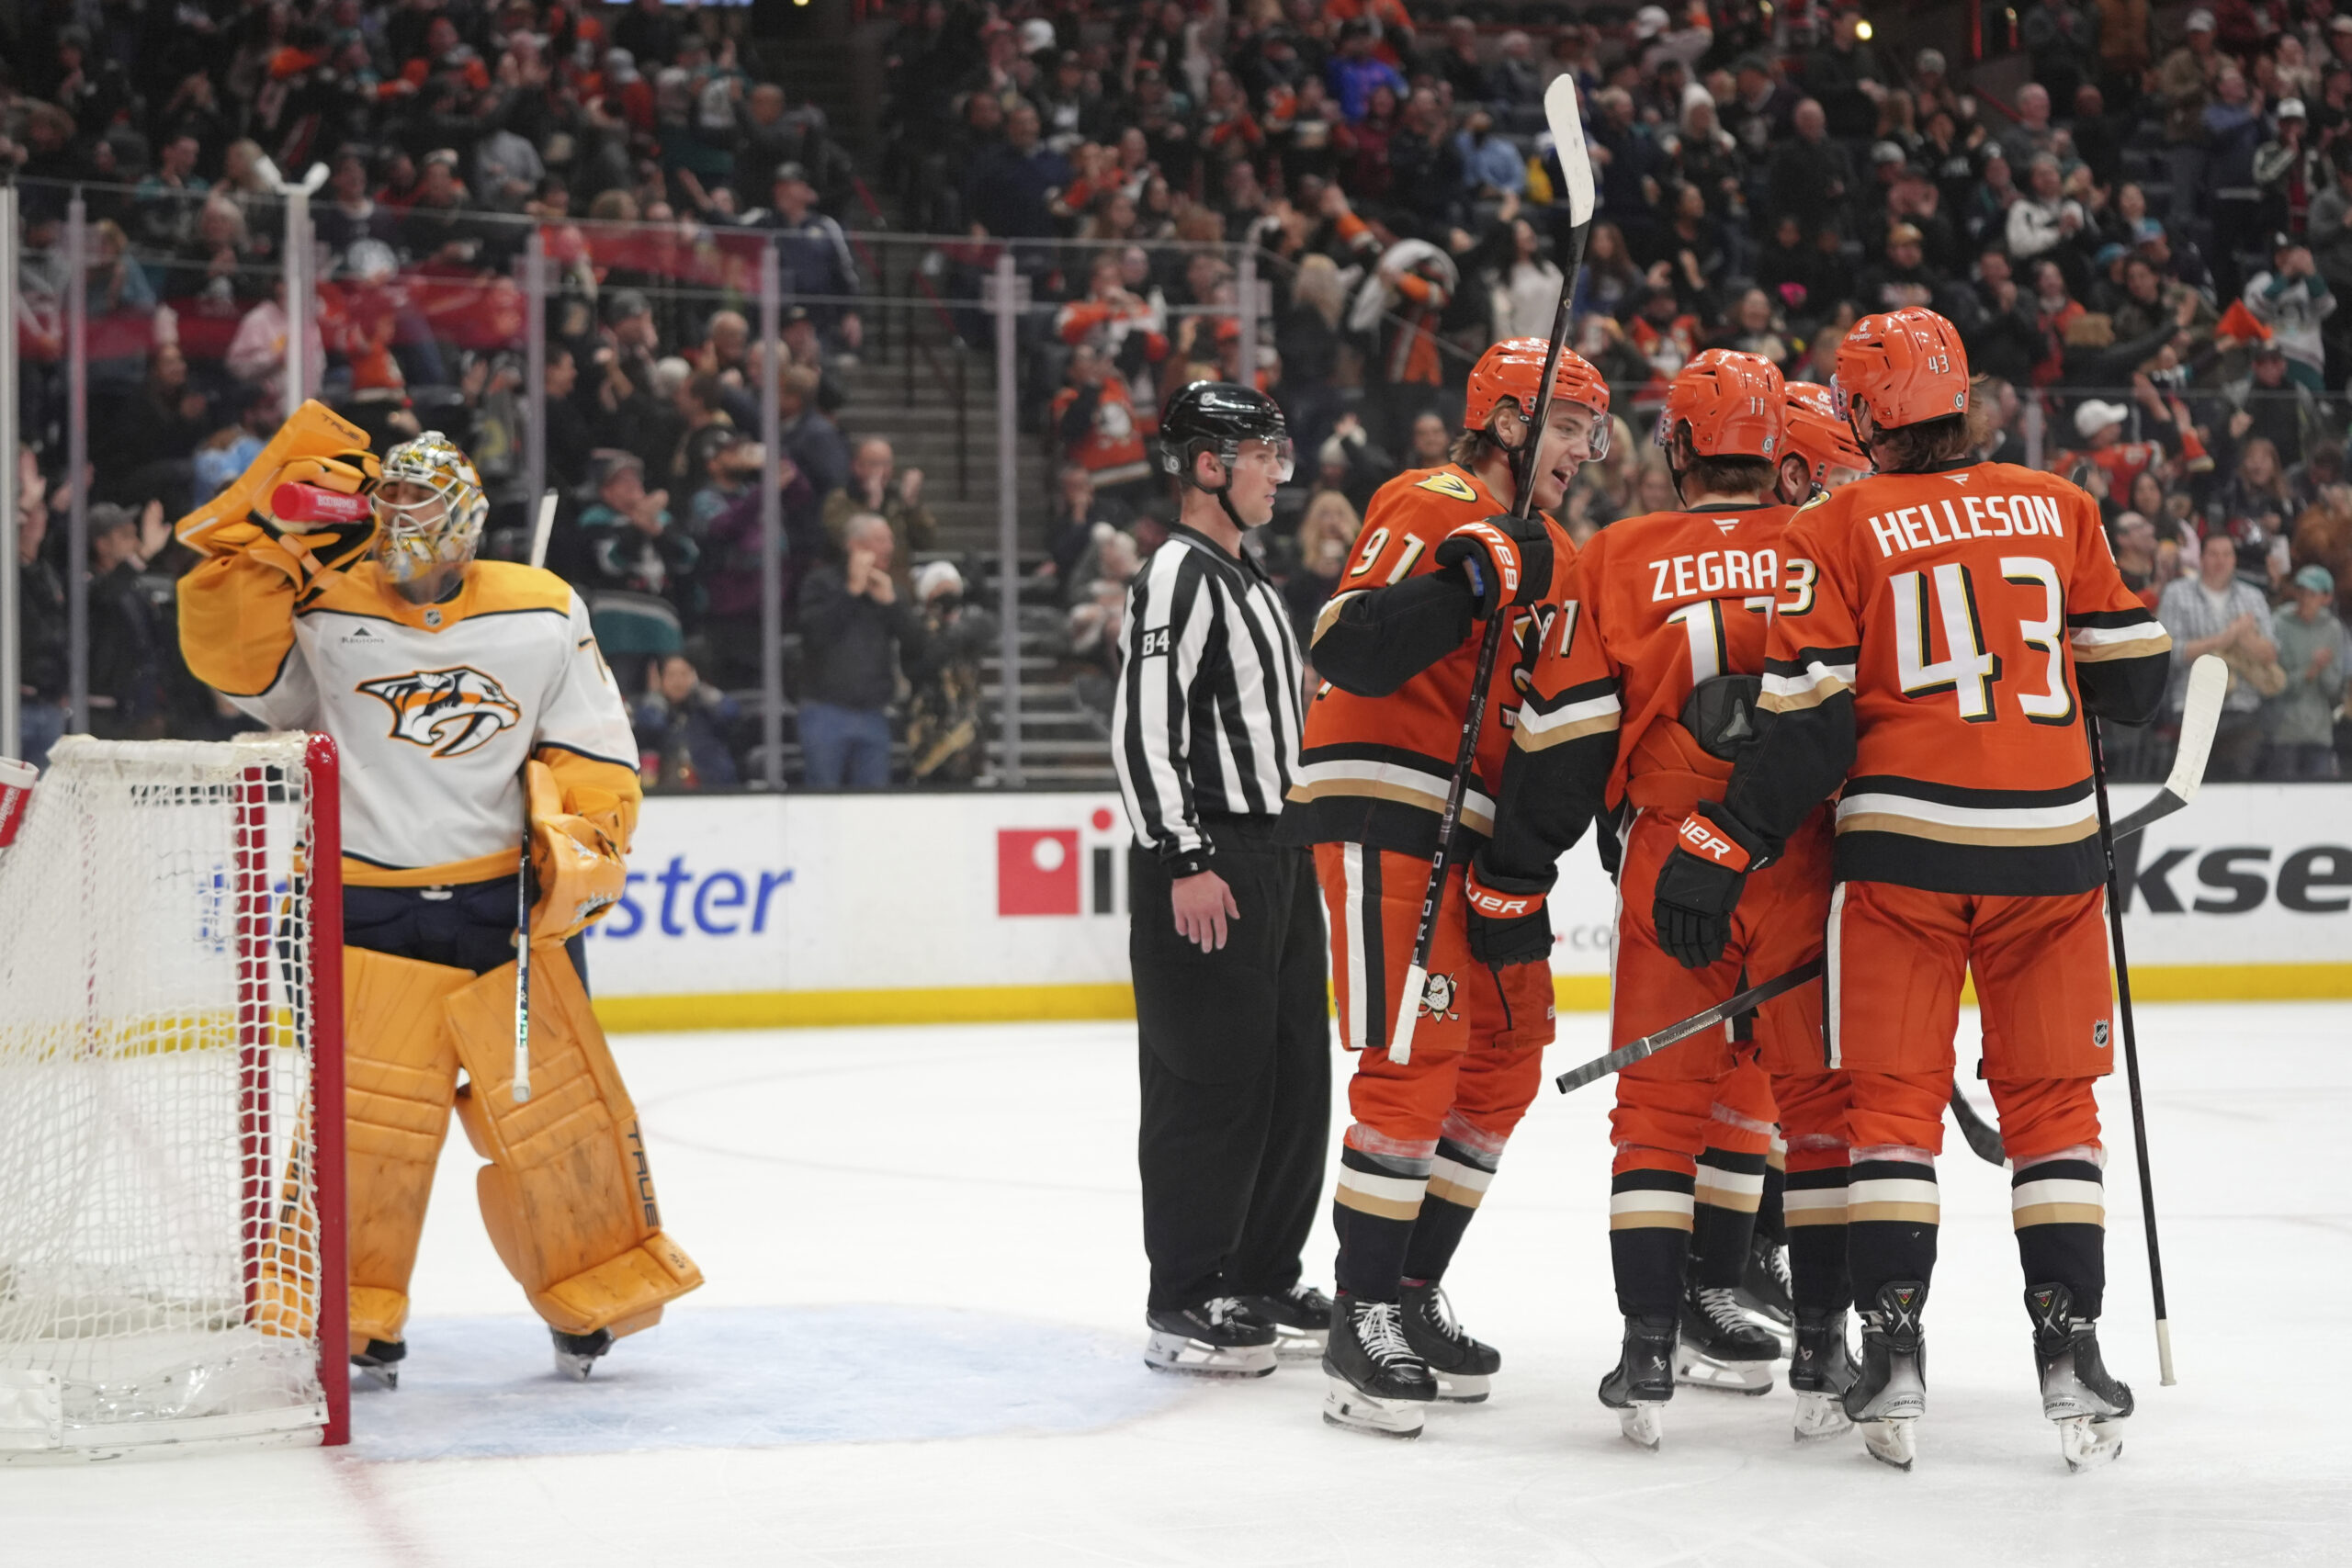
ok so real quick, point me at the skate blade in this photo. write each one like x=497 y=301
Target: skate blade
x=1191 y=1358
x=2088 y=1443
x=1295 y=1345
x=574 y=1368
x=1753 y=1379
x=1644 y=1426
x=1351 y=1409
x=1891 y=1441
x=387 y=1378
x=1820 y=1416
x=1461 y=1388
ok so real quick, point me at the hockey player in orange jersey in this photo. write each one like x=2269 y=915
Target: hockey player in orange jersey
x=1397 y=647
x=1639 y=702
x=1796 y=1246
x=1939 y=629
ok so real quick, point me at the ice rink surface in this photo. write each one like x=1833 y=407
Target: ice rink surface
x=919 y=1346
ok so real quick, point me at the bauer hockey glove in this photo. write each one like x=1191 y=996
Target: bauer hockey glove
x=1510 y=922
x=1506 y=560
x=1700 y=885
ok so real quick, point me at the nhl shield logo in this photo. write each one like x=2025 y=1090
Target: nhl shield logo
x=449 y=712
x=2099 y=1034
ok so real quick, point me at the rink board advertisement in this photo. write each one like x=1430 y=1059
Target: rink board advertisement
x=756 y=910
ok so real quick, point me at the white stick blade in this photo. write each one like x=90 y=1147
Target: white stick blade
x=542 y=527
x=1408 y=1011
x=2200 y=714
x=1560 y=113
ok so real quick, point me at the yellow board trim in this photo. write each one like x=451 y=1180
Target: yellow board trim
x=1015 y=1004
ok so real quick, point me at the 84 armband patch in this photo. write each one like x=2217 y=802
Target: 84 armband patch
x=1155 y=639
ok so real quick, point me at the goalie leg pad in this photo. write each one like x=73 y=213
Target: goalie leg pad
x=568 y=1196
x=401 y=1074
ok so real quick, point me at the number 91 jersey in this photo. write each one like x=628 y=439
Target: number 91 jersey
x=1936 y=639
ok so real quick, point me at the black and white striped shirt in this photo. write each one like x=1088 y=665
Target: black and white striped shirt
x=1207 y=716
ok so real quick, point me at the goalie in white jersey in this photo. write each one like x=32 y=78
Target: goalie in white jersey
x=458 y=691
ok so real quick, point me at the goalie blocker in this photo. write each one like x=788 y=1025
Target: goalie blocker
x=441 y=677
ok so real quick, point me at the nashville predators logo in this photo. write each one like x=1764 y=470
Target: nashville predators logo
x=449 y=712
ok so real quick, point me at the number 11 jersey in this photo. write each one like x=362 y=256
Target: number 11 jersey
x=1937 y=637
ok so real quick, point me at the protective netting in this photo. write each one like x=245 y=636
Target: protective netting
x=159 y=1224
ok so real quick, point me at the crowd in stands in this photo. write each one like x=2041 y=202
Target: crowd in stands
x=2142 y=238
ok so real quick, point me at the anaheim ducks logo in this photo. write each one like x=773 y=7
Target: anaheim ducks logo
x=449 y=712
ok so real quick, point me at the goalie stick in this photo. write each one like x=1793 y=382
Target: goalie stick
x=1560 y=113
x=2209 y=681
x=542 y=525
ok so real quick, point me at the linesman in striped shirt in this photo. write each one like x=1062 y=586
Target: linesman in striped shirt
x=1224 y=939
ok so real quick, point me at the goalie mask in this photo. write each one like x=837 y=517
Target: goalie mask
x=438 y=528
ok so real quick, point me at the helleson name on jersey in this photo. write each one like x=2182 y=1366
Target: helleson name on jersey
x=1954 y=518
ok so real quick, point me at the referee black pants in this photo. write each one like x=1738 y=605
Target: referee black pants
x=1235 y=1054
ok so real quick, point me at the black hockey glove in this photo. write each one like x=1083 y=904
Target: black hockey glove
x=1506 y=560
x=1700 y=885
x=1510 y=922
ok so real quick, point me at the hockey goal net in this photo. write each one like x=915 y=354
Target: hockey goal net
x=171 y=1100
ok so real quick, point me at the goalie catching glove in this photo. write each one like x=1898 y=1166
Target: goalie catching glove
x=1510 y=921
x=579 y=868
x=319 y=448
x=1700 y=885
x=1506 y=560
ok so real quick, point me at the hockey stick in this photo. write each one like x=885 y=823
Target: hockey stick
x=541 y=528
x=2130 y=1035
x=2200 y=714
x=2209 y=681
x=1984 y=1138
x=1560 y=111
x=1651 y=1044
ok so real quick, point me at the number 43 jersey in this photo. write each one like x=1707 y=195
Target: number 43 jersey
x=1660 y=605
x=1937 y=639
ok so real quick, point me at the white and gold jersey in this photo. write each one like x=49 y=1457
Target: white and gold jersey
x=435 y=707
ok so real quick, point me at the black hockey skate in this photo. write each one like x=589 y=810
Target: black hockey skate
x=1890 y=1394
x=2077 y=1391
x=1217 y=1338
x=1720 y=1346
x=1821 y=1369
x=1461 y=1364
x=577 y=1354
x=1763 y=1292
x=1377 y=1383
x=1301 y=1317
x=1642 y=1380
x=380 y=1362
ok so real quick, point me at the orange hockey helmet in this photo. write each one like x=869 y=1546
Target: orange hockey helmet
x=1818 y=435
x=1732 y=403
x=1902 y=367
x=1514 y=368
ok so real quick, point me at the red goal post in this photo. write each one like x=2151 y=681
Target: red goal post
x=172 y=1162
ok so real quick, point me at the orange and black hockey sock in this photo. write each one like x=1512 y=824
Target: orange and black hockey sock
x=1729 y=1189
x=1893 y=1209
x=1649 y=1233
x=1379 y=1198
x=2058 y=1204
x=1815 y=1207
x=1458 y=1180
